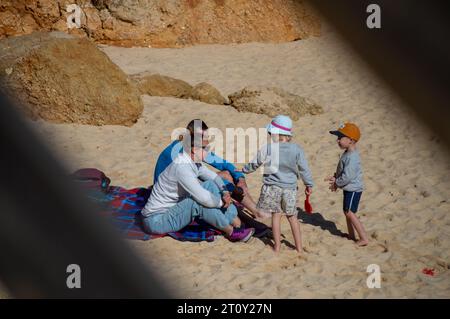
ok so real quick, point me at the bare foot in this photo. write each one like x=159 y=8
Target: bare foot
x=362 y=243
x=276 y=249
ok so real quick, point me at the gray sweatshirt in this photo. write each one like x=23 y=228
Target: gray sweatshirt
x=349 y=175
x=284 y=164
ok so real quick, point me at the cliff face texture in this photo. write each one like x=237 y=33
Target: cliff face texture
x=165 y=23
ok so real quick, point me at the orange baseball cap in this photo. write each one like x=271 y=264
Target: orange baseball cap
x=348 y=129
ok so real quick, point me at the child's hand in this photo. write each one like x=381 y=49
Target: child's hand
x=330 y=179
x=333 y=187
x=308 y=190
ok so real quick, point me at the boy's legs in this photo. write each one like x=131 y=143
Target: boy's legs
x=363 y=240
x=351 y=202
x=276 y=231
x=289 y=206
x=295 y=227
x=351 y=230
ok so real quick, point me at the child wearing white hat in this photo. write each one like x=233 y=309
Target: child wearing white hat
x=284 y=163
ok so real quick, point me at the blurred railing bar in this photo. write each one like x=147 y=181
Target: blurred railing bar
x=46 y=224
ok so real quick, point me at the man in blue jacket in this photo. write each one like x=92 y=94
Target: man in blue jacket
x=231 y=177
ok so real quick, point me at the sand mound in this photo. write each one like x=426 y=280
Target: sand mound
x=63 y=79
x=273 y=101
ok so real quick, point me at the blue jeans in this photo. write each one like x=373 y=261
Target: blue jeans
x=184 y=212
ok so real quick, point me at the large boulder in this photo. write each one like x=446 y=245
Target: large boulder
x=59 y=78
x=207 y=93
x=273 y=101
x=165 y=23
x=161 y=85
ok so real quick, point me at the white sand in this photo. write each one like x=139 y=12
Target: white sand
x=405 y=207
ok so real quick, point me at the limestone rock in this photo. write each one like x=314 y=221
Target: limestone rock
x=160 y=85
x=207 y=93
x=273 y=101
x=60 y=78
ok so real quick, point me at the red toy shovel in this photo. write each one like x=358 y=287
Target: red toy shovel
x=308 y=207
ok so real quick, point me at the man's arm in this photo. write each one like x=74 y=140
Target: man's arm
x=189 y=181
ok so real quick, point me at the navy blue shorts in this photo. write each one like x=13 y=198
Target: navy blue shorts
x=351 y=201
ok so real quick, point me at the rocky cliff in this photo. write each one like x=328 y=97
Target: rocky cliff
x=163 y=23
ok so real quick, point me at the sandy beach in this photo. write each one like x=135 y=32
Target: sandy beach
x=405 y=206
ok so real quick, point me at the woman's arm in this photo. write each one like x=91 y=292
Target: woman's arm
x=222 y=165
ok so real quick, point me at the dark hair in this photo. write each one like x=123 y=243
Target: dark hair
x=195 y=124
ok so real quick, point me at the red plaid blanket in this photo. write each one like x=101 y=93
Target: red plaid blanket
x=124 y=207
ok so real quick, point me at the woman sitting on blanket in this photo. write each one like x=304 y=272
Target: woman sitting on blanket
x=232 y=179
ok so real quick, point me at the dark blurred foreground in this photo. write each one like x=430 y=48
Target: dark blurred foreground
x=46 y=225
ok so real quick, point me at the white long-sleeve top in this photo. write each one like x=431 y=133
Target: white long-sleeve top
x=180 y=180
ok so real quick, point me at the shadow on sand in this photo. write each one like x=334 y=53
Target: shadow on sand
x=316 y=219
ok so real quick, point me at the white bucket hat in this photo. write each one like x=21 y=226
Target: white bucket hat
x=281 y=124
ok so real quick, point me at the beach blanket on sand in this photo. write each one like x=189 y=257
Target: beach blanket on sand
x=124 y=207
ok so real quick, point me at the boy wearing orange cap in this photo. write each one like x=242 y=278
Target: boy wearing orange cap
x=348 y=176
